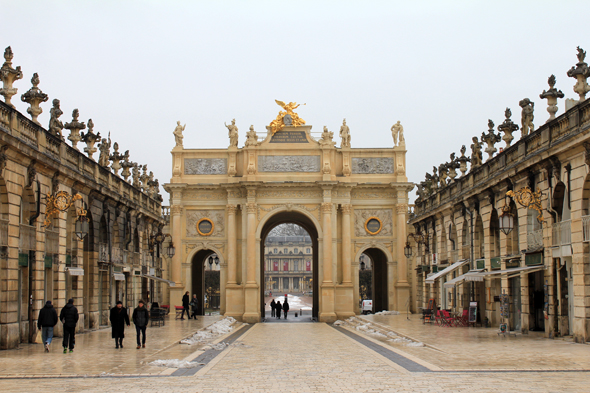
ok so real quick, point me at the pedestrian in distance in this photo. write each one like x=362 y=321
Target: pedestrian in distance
x=185 y=307
x=46 y=321
x=285 y=308
x=273 y=306
x=69 y=317
x=140 y=318
x=119 y=318
x=278 y=309
x=195 y=306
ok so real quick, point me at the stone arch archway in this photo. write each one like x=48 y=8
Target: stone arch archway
x=307 y=221
x=382 y=276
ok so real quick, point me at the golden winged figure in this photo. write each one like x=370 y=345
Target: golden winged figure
x=278 y=123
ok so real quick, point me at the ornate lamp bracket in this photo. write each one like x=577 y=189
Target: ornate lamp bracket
x=529 y=199
x=59 y=202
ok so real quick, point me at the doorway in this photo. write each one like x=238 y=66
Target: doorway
x=379 y=282
x=206 y=281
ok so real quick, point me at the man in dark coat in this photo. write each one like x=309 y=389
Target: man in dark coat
x=47 y=320
x=273 y=306
x=140 y=320
x=195 y=305
x=69 y=317
x=185 y=305
x=285 y=307
x=278 y=308
x=119 y=318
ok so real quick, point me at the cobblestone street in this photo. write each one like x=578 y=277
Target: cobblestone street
x=301 y=357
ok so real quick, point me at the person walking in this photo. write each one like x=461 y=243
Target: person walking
x=46 y=321
x=140 y=318
x=278 y=309
x=195 y=306
x=273 y=306
x=285 y=308
x=185 y=305
x=119 y=318
x=69 y=317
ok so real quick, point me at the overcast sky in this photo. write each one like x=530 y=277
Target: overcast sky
x=443 y=68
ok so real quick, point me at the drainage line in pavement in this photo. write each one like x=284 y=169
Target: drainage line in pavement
x=209 y=354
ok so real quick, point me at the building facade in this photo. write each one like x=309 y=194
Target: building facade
x=535 y=276
x=350 y=201
x=288 y=261
x=48 y=186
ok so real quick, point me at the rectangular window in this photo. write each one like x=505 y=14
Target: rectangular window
x=285 y=284
x=296 y=266
x=285 y=266
x=296 y=283
x=275 y=266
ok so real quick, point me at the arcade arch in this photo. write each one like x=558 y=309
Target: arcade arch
x=306 y=222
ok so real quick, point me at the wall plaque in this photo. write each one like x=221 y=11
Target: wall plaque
x=205 y=166
x=372 y=165
x=289 y=137
x=288 y=163
x=205 y=226
x=373 y=225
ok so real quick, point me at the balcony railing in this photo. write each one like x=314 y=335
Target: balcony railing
x=28 y=238
x=534 y=239
x=586 y=228
x=3 y=233
x=562 y=233
x=103 y=252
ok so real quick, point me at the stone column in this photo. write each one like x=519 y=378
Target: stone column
x=346 y=258
x=231 y=244
x=252 y=301
x=175 y=224
x=327 y=313
x=402 y=286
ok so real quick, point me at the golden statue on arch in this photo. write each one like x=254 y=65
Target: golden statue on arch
x=286 y=118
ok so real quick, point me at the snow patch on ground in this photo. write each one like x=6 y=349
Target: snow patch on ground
x=385 y=312
x=175 y=363
x=368 y=328
x=219 y=328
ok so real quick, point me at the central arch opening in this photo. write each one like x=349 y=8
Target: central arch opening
x=289 y=264
x=373 y=283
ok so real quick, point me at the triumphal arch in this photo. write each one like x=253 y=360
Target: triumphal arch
x=351 y=201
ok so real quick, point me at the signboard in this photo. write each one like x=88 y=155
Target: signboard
x=472 y=312
x=373 y=225
x=289 y=137
x=205 y=226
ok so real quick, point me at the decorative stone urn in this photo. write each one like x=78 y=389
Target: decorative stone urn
x=116 y=158
x=490 y=139
x=551 y=95
x=508 y=127
x=9 y=75
x=90 y=139
x=463 y=161
x=581 y=72
x=75 y=127
x=34 y=97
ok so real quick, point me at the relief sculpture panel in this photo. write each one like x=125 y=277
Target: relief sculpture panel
x=205 y=166
x=372 y=165
x=216 y=216
x=288 y=163
x=361 y=217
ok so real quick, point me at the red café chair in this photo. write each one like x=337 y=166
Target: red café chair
x=446 y=319
x=463 y=320
x=438 y=318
